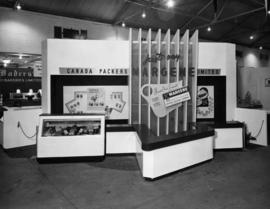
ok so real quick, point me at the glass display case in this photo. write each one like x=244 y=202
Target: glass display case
x=70 y=128
x=71 y=135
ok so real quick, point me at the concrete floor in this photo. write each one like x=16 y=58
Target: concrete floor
x=233 y=180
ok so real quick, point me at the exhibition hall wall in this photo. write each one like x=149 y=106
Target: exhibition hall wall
x=253 y=72
x=252 y=57
x=256 y=81
x=23 y=31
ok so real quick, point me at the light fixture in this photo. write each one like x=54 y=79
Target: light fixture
x=20 y=56
x=17 y=5
x=260 y=47
x=268 y=12
x=6 y=62
x=209 y=28
x=251 y=37
x=143 y=14
x=123 y=24
x=170 y=3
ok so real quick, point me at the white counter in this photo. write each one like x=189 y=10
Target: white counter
x=15 y=120
x=256 y=123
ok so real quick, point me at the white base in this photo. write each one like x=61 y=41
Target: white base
x=120 y=142
x=228 y=138
x=28 y=118
x=165 y=160
x=76 y=146
x=256 y=123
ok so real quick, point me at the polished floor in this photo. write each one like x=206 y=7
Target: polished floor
x=233 y=180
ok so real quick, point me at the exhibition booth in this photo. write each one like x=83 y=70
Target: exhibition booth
x=164 y=97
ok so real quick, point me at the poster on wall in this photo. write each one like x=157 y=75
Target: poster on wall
x=111 y=100
x=205 y=102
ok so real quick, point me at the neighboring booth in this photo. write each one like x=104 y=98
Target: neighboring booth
x=20 y=91
x=20 y=126
x=257 y=124
x=254 y=103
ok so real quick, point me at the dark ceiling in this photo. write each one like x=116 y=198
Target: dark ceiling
x=231 y=20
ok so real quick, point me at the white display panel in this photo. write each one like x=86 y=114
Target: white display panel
x=111 y=100
x=228 y=138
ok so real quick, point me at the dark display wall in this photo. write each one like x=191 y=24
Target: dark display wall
x=216 y=85
x=59 y=82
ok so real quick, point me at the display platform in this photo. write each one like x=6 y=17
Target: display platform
x=228 y=135
x=161 y=155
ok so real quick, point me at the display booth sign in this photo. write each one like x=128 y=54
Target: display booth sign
x=165 y=98
x=93 y=71
x=209 y=71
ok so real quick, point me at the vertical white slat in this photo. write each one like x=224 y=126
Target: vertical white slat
x=158 y=41
x=140 y=75
x=185 y=81
x=167 y=39
x=176 y=40
x=149 y=76
x=130 y=77
x=195 y=53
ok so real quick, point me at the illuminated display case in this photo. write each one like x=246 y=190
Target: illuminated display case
x=70 y=128
x=71 y=136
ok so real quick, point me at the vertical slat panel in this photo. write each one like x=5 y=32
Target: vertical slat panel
x=195 y=54
x=149 y=76
x=167 y=40
x=140 y=75
x=130 y=77
x=185 y=81
x=158 y=41
x=176 y=40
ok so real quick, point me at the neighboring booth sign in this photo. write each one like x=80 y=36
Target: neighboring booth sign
x=165 y=97
x=18 y=75
x=93 y=71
